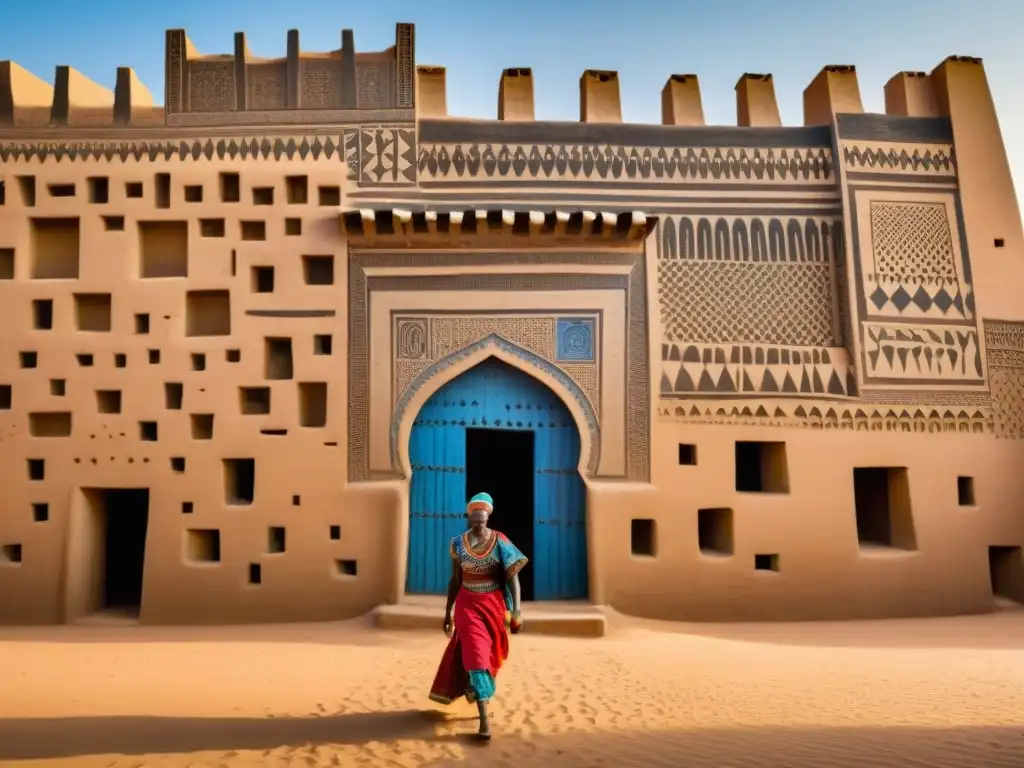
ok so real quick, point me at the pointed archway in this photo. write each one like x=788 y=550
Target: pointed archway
x=493 y=345
x=496 y=428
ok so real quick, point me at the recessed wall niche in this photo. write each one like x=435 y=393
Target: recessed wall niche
x=208 y=313
x=55 y=248
x=715 y=531
x=163 y=249
x=93 y=312
x=278 y=362
x=882 y=505
x=42 y=314
x=6 y=263
x=239 y=481
x=761 y=467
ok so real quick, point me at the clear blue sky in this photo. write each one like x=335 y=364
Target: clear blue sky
x=645 y=40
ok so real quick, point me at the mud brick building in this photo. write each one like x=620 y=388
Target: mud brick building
x=260 y=344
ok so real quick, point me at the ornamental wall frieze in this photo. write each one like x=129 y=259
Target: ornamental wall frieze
x=482 y=161
x=880 y=157
x=569 y=343
x=723 y=370
x=874 y=417
x=1004 y=347
x=382 y=154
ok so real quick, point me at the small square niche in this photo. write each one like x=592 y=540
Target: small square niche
x=965 y=491
x=642 y=538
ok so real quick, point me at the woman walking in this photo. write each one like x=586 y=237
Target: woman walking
x=484 y=591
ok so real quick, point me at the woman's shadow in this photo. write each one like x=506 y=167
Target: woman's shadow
x=42 y=738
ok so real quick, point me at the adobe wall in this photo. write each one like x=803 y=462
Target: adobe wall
x=260 y=275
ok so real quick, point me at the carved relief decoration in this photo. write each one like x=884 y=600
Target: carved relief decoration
x=1004 y=345
x=916 y=323
x=352 y=153
x=405 y=56
x=921 y=353
x=423 y=340
x=267 y=86
x=320 y=83
x=411 y=343
x=607 y=162
x=279 y=117
x=494 y=340
x=576 y=340
x=387 y=156
x=746 y=279
x=864 y=417
x=374 y=84
x=880 y=157
x=912 y=264
x=340 y=145
x=693 y=370
x=211 y=86
x=175 y=69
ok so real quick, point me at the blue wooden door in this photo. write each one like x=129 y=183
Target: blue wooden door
x=493 y=395
x=437 y=492
x=560 y=526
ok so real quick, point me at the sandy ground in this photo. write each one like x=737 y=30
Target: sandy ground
x=899 y=694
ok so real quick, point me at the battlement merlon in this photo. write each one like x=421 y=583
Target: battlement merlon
x=431 y=92
x=73 y=100
x=21 y=94
x=834 y=90
x=332 y=88
x=323 y=81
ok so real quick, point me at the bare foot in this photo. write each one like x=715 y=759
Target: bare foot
x=485 y=729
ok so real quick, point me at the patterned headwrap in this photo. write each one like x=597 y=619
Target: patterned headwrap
x=480 y=501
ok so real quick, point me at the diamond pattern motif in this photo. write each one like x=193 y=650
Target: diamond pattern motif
x=912 y=242
x=387 y=156
x=597 y=162
x=716 y=302
x=940 y=160
x=397 y=165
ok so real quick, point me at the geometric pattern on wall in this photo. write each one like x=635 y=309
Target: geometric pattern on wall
x=817 y=239
x=575 y=340
x=422 y=340
x=747 y=279
x=494 y=340
x=764 y=303
x=864 y=417
x=692 y=370
x=1004 y=345
x=914 y=264
x=912 y=241
x=472 y=161
x=328 y=144
x=634 y=359
x=913 y=276
x=930 y=159
x=387 y=156
x=920 y=353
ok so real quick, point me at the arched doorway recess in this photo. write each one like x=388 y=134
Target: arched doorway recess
x=497 y=429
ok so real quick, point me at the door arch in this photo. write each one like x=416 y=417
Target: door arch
x=494 y=407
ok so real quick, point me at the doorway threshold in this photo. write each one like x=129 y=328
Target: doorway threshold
x=567 y=618
x=111 y=617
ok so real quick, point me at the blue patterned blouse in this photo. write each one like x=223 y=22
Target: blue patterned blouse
x=488 y=568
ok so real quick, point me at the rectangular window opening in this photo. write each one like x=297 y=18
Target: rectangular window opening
x=882 y=508
x=761 y=467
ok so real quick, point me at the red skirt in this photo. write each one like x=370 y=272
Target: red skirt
x=479 y=644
